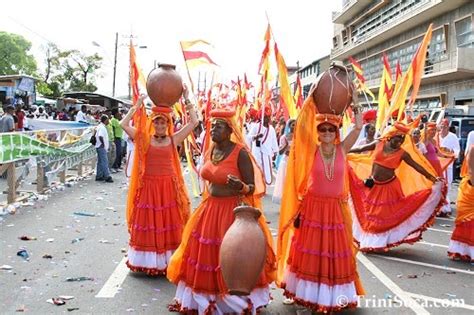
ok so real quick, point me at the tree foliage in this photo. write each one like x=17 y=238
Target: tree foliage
x=14 y=55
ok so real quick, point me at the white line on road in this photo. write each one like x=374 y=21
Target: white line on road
x=438 y=230
x=452 y=303
x=446 y=219
x=432 y=244
x=392 y=286
x=414 y=262
x=115 y=280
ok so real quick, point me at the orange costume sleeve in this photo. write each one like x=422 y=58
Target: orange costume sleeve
x=145 y=130
x=174 y=267
x=305 y=144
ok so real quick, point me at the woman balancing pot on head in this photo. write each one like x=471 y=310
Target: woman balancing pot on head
x=393 y=205
x=158 y=205
x=232 y=177
x=461 y=245
x=316 y=255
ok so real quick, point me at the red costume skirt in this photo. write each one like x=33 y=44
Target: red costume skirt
x=461 y=245
x=384 y=217
x=321 y=265
x=201 y=288
x=156 y=226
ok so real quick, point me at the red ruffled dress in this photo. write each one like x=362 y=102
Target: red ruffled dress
x=156 y=223
x=382 y=216
x=321 y=266
x=201 y=288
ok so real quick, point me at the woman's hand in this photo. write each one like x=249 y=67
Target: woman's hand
x=185 y=91
x=139 y=103
x=234 y=183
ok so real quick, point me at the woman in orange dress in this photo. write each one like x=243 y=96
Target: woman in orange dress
x=158 y=205
x=384 y=214
x=316 y=256
x=232 y=177
x=461 y=245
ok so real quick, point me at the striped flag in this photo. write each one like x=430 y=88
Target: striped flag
x=196 y=53
x=360 y=80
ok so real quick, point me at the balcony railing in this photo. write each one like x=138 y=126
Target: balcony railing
x=356 y=40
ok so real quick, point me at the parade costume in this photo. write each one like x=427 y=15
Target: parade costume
x=157 y=206
x=316 y=255
x=391 y=213
x=194 y=267
x=461 y=245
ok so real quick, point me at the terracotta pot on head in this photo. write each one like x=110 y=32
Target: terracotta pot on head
x=243 y=251
x=333 y=90
x=164 y=85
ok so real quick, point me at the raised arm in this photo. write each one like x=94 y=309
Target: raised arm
x=125 y=122
x=351 y=138
x=193 y=120
x=408 y=159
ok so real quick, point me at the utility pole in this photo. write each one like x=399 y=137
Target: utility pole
x=115 y=64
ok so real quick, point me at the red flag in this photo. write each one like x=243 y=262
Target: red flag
x=134 y=74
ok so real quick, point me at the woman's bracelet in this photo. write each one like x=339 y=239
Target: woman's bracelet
x=245 y=189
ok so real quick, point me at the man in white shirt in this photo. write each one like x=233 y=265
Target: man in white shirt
x=264 y=145
x=450 y=142
x=102 y=146
x=81 y=115
x=470 y=141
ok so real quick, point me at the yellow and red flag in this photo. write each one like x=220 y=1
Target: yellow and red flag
x=360 y=79
x=385 y=93
x=196 y=53
x=136 y=75
x=299 y=99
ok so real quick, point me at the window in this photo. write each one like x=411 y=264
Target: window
x=464 y=33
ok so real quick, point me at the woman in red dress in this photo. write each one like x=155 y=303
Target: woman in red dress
x=232 y=178
x=461 y=245
x=316 y=256
x=158 y=205
x=389 y=211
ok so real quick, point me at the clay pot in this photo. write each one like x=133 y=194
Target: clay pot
x=243 y=251
x=333 y=91
x=164 y=85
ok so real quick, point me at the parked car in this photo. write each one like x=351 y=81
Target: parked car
x=463 y=125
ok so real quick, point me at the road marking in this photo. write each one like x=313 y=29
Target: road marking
x=438 y=230
x=392 y=286
x=432 y=244
x=414 y=262
x=446 y=219
x=112 y=286
x=442 y=302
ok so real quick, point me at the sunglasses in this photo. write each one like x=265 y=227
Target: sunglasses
x=327 y=129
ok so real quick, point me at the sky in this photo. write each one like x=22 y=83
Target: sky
x=303 y=30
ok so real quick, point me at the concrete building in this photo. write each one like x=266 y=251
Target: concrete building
x=14 y=88
x=365 y=29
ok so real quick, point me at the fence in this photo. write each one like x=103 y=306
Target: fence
x=51 y=152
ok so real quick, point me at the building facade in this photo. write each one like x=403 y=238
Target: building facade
x=14 y=88
x=367 y=29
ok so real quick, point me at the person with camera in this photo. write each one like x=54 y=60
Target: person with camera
x=384 y=216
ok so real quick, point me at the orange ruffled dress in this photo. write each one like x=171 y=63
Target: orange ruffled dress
x=320 y=266
x=201 y=288
x=156 y=225
x=383 y=216
x=461 y=245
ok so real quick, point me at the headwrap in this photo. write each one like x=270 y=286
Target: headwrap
x=398 y=128
x=145 y=130
x=395 y=115
x=334 y=120
x=305 y=143
x=369 y=115
x=254 y=200
x=430 y=125
x=161 y=111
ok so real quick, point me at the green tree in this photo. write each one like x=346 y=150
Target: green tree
x=81 y=71
x=14 y=55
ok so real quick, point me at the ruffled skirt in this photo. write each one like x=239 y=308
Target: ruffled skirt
x=383 y=217
x=156 y=226
x=321 y=268
x=201 y=287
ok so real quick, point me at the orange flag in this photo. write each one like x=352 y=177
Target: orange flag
x=136 y=75
x=287 y=100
